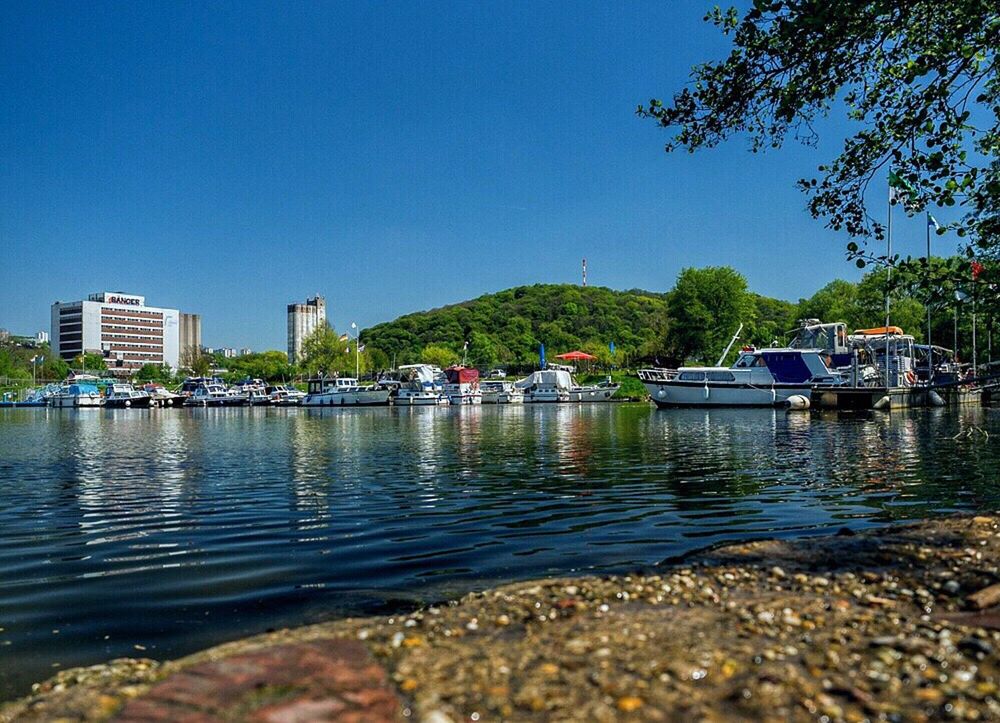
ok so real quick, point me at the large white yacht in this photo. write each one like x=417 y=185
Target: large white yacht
x=343 y=392
x=419 y=387
x=759 y=378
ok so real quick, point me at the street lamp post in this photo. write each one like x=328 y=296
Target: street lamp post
x=357 y=351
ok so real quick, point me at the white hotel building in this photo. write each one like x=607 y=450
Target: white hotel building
x=119 y=327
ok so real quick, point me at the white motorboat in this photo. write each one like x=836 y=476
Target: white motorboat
x=759 y=378
x=546 y=386
x=593 y=393
x=125 y=395
x=419 y=387
x=283 y=395
x=213 y=394
x=501 y=392
x=80 y=392
x=161 y=396
x=462 y=386
x=343 y=392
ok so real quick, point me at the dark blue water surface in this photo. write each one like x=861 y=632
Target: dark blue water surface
x=176 y=529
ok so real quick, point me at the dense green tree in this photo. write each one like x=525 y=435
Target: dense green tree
x=323 y=352
x=706 y=308
x=269 y=366
x=918 y=80
x=438 y=355
x=837 y=301
x=90 y=362
x=154 y=373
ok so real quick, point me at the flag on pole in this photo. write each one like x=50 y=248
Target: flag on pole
x=932 y=222
x=344 y=337
x=611 y=347
x=361 y=348
x=901 y=189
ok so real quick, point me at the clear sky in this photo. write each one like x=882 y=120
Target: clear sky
x=228 y=159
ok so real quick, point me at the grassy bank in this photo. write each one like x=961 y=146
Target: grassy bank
x=631 y=387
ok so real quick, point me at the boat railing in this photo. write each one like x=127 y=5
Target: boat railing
x=657 y=375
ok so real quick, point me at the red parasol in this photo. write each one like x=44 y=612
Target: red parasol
x=575 y=356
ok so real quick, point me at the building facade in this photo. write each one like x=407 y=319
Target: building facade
x=119 y=327
x=189 y=337
x=303 y=320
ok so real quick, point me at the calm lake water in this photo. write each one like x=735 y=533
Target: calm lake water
x=176 y=529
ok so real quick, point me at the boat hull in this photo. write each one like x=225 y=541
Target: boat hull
x=76 y=402
x=373 y=398
x=429 y=400
x=675 y=394
x=137 y=403
x=592 y=394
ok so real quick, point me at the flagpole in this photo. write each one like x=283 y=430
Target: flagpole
x=930 y=351
x=888 y=286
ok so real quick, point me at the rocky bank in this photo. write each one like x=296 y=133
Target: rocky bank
x=897 y=623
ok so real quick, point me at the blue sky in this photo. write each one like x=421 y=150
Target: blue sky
x=227 y=159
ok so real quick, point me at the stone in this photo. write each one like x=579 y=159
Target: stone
x=985 y=598
x=321 y=680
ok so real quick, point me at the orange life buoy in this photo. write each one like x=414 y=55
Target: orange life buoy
x=911 y=378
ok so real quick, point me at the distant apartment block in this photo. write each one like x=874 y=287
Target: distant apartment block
x=303 y=320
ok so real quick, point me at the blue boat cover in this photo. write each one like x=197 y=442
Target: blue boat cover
x=787 y=367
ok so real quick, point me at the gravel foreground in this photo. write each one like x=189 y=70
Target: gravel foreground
x=893 y=624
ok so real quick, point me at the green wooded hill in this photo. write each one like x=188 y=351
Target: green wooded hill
x=506 y=327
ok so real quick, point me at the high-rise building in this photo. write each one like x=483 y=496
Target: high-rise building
x=119 y=327
x=303 y=320
x=189 y=337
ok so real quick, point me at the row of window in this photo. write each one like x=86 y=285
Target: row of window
x=714 y=376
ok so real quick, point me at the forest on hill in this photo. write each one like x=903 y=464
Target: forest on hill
x=506 y=328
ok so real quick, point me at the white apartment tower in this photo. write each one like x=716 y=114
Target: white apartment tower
x=303 y=320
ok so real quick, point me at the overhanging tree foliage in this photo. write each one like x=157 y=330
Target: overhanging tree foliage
x=919 y=79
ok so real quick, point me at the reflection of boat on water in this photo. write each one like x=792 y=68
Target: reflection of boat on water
x=759 y=378
x=419 y=387
x=501 y=392
x=343 y=392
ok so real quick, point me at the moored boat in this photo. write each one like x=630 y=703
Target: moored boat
x=160 y=396
x=121 y=396
x=283 y=395
x=462 y=386
x=213 y=394
x=77 y=394
x=501 y=392
x=759 y=378
x=546 y=386
x=343 y=392
x=419 y=387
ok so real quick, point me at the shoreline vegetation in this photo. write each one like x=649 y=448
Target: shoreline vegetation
x=624 y=330
x=898 y=622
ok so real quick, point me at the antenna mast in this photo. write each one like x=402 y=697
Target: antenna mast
x=585 y=272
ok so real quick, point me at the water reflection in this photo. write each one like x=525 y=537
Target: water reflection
x=178 y=528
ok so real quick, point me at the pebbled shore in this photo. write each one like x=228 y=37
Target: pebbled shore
x=899 y=623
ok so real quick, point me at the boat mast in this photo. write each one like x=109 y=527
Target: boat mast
x=888 y=284
x=730 y=346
